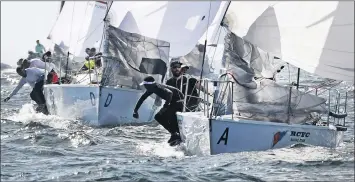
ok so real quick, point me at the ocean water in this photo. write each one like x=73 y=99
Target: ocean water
x=35 y=147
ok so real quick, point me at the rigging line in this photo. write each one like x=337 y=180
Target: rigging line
x=214 y=53
x=108 y=10
x=144 y=47
x=104 y=36
x=204 y=49
x=105 y=24
x=218 y=30
x=289 y=73
x=88 y=36
x=81 y=27
x=208 y=21
x=50 y=32
x=71 y=25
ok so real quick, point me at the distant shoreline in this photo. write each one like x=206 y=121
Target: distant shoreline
x=5 y=66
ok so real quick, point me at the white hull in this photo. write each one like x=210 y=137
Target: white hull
x=117 y=105
x=238 y=135
x=113 y=107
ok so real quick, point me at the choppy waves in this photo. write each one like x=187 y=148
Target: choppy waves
x=39 y=147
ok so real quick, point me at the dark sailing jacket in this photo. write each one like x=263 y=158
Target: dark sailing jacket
x=170 y=94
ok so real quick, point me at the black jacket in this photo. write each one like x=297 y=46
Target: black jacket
x=170 y=94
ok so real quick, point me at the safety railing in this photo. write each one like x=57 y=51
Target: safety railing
x=205 y=101
x=337 y=110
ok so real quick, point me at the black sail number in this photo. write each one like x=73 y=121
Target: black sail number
x=108 y=100
x=224 y=137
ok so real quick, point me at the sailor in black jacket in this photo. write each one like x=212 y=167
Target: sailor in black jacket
x=167 y=115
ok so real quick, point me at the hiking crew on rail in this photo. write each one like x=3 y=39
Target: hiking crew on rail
x=167 y=114
x=35 y=78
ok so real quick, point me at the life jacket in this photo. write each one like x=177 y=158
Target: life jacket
x=90 y=64
x=55 y=78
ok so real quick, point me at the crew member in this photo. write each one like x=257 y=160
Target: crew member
x=47 y=56
x=88 y=65
x=88 y=52
x=184 y=69
x=52 y=76
x=192 y=98
x=39 y=48
x=19 y=62
x=34 y=77
x=32 y=55
x=167 y=115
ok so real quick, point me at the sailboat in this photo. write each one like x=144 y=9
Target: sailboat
x=253 y=113
x=135 y=43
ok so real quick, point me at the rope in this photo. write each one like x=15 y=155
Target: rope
x=71 y=25
x=208 y=21
x=71 y=31
x=205 y=46
x=108 y=10
x=87 y=36
x=81 y=27
x=50 y=32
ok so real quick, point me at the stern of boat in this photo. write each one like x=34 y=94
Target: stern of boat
x=194 y=132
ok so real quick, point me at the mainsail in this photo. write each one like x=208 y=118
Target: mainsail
x=194 y=60
x=181 y=23
x=130 y=57
x=246 y=61
x=79 y=26
x=263 y=99
x=310 y=35
x=314 y=36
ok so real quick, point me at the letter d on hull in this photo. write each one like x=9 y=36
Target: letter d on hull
x=108 y=102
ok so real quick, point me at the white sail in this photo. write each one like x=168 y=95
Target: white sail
x=80 y=25
x=314 y=36
x=181 y=23
x=242 y=14
x=214 y=27
x=119 y=9
x=194 y=59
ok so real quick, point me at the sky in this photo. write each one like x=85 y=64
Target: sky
x=22 y=23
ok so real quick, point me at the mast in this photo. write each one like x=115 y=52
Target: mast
x=103 y=41
x=66 y=67
x=204 y=50
x=221 y=24
x=61 y=5
x=298 y=78
x=203 y=58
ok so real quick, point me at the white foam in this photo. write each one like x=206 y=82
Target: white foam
x=160 y=149
x=294 y=155
x=195 y=134
x=28 y=114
